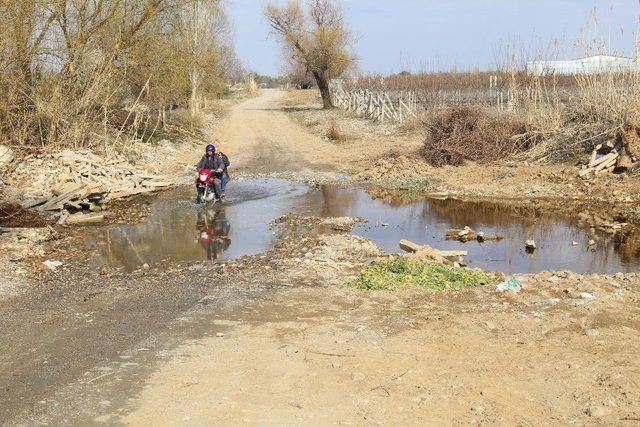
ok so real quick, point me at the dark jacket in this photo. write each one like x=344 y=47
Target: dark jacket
x=211 y=162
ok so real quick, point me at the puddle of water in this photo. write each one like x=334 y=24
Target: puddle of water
x=178 y=230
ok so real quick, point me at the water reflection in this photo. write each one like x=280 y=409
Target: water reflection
x=213 y=228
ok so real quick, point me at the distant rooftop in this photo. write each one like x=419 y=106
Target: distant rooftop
x=587 y=65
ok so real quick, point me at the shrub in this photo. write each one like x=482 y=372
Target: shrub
x=334 y=133
x=459 y=134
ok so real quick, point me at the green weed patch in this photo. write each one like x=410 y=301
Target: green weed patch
x=403 y=272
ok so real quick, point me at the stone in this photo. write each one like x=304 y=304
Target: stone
x=6 y=156
x=490 y=325
x=219 y=334
x=597 y=411
x=530 y=245
x=587 y=296
x=191 y=381
x=290 y=351
x=52 y=265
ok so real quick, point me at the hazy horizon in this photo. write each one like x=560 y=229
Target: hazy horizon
x=436 y=35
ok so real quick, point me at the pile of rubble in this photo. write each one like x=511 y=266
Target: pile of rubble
x=467 y=234
x=80 y=180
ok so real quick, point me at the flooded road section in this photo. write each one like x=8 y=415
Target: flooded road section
x=179 y=230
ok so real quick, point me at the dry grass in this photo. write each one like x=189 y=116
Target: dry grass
x=562 y=117
x=448 y=81
x=334 y=133
x=13 y=215
x=411 y=126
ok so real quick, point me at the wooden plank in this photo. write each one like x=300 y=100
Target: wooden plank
x=81 y=218
x=408 y=109
x=605 y=158
x=53 y=203
x=409 y=246
x=35 y=203
x=604 y=165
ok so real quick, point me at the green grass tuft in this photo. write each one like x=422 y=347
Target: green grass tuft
x=391 y=275
x=415 y=184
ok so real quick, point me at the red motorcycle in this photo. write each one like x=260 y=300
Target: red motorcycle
x=206 y=189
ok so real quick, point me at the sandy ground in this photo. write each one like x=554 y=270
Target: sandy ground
x=320 y=357
x=277 y=339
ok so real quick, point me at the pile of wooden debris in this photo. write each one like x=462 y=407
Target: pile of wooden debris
x=79 y=180
x=620 y=155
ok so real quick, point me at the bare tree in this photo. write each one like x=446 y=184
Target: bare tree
x=319 y=41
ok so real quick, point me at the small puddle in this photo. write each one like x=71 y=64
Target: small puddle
x=179 y=230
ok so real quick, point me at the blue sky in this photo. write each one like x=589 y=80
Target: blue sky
x=393 y=35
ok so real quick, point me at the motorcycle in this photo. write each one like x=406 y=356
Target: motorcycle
x=205 y=186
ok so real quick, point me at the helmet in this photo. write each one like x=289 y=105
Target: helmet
x=211 y=147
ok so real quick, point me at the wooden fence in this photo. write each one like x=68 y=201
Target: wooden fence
x=377 y=105
x=390 y=105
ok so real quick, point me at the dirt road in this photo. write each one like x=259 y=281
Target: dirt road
x=277 y=339
x=261 y=138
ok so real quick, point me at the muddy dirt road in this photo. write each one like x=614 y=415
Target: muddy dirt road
x=277 y=338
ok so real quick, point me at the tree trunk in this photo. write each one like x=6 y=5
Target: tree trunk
x=325 y=93
x=194 y=106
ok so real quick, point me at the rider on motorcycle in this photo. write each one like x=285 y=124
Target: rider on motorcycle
x=224 y=177
x=215 y=163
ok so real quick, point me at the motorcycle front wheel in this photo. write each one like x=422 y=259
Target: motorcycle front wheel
x=200 y=197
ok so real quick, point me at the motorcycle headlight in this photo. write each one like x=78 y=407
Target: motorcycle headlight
x=203 y=177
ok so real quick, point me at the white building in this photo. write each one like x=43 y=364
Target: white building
x=588 y=65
